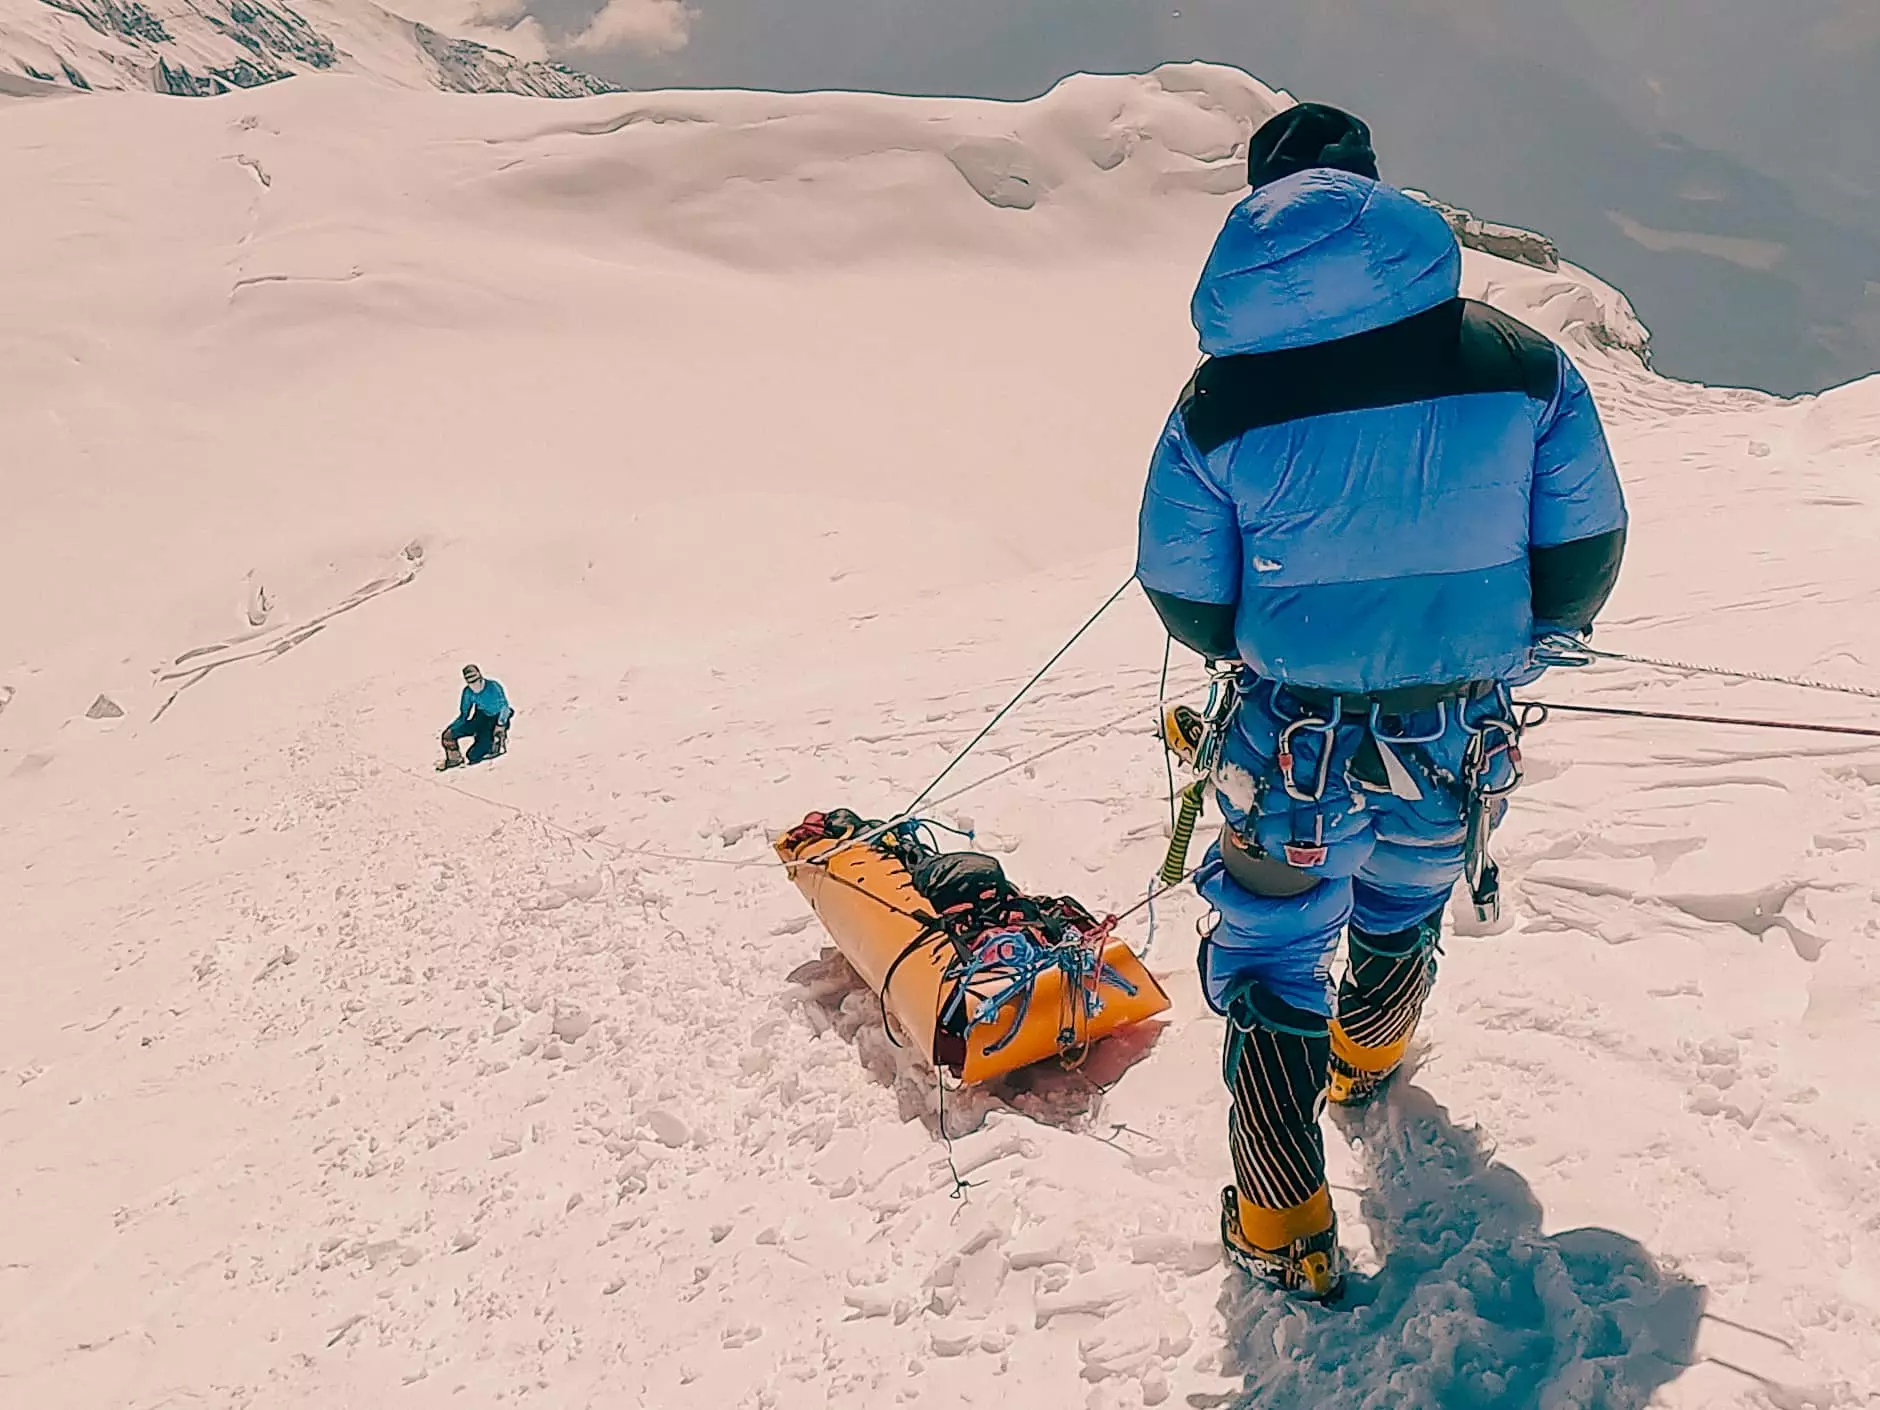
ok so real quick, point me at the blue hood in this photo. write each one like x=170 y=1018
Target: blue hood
x=1319 y=256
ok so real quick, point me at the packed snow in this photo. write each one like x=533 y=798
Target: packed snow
x=761 y=446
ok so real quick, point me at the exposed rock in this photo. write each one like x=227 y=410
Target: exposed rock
x=466 y=67
x=200 y=48
x=268 y=32
x=105 y=708
x=1606 y=336
x=132 y=21
x=179 y=82
x=1503 y=241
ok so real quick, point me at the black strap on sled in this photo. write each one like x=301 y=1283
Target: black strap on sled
x=931 y=934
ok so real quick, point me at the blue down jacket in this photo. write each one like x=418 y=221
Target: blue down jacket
x=1366 y=461
x=488 y=701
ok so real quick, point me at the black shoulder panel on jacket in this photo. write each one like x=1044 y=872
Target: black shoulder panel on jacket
x=1205 y=628
x=1493 y=341
x=1456 y=349
x=1570 y=582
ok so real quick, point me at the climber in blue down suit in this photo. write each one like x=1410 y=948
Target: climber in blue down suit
x=1375 y=496
x=483 y=716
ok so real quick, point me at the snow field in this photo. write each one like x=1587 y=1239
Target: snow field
x=761 y=446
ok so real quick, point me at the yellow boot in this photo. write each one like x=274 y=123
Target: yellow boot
x=1356 y=1071
x=1276 y=1218
x=1387 y=982
x=1294 y=1249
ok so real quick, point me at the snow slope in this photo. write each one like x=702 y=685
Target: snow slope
x=194 y=48
x=761 y=445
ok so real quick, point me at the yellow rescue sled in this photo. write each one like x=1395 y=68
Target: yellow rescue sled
x=982 y=978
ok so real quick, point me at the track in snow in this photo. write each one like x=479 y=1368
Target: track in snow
x=324 y=1080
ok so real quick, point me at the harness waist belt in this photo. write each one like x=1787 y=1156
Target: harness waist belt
x=1405 y=700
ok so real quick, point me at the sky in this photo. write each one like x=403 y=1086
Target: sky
x=1712 y=157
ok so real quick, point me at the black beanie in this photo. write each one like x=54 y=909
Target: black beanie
x=1306 y=136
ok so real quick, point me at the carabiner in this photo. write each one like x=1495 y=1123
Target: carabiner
x=1284 y=756
x=1567 y=649
x=1442 y=727
x=1218 y=715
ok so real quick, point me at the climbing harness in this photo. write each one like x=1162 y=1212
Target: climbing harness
x=1199 y=738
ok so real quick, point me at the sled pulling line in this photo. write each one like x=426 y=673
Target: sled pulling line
x=883 y=828
x=1023 y=691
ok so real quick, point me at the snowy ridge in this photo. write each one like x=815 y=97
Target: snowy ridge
x=194 y=48
x=760 y=446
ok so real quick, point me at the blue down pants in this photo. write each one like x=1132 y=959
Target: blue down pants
x=1392 y=830
x=480 y=730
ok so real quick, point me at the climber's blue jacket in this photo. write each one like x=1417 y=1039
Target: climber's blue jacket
x=1372 y=482
x=488 y=701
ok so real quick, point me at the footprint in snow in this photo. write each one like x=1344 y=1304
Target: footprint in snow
x=1530 y=1320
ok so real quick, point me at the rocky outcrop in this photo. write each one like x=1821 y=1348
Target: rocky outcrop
x=1502 y=241
x=273 y=35
x=199 y=48
x=463 y=66
x=129 y=21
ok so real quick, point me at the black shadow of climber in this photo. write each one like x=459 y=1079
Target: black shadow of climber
x=1474 y=1306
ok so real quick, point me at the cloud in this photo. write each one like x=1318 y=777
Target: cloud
x=650 y=26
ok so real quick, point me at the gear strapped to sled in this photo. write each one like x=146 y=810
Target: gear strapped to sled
x=983 y=978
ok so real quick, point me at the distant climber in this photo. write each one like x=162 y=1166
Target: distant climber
x=483 y=716
x=1372 y=500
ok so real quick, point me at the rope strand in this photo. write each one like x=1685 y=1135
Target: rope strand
x=1161 y=710
x=1023 y=690
x=1581 y=648
x=1807 y=727
x=870 y=834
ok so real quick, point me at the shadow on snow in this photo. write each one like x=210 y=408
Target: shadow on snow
x=829 y=995
x=1474 y=1306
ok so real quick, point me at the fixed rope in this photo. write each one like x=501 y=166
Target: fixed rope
x=1800 y=726
x=1565 y=650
